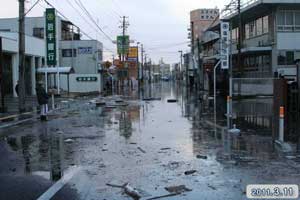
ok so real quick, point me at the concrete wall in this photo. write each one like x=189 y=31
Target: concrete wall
x=81 y=86
x=83 y=63
x=288 y=41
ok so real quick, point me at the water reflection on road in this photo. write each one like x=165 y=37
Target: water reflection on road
x=149 y=144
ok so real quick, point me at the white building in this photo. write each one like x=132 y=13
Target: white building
x=34 y=52
x=85 y=58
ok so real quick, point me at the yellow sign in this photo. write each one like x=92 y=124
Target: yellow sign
x=133 y=52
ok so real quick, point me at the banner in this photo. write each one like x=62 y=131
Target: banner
x=224 y=52
x=50 y=37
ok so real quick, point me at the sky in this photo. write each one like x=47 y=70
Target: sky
x=160 y=25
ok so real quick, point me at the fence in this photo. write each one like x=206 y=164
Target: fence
x=252 y=103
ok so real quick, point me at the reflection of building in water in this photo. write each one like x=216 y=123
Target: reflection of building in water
x=42 y=154
x=253 y=145
x=134 y=113
x=56 y=147
x=125 y=125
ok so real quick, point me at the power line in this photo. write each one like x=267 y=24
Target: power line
x=87 y=35
x=80 y=4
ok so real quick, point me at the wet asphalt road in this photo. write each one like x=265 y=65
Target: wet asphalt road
x=149 y=144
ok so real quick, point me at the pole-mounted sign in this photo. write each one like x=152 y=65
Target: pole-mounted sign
x=224 y=45
x=50 y=36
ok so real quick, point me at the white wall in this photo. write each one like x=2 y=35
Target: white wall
x=288 y=41
x=82 y=63
x=81 y=87
x=33 y=46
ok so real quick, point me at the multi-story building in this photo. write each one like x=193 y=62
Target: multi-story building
x=270 y=39
x=85 y=58
x=200 y=20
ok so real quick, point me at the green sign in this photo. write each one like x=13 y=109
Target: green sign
x=123 y=44
x=50 y=36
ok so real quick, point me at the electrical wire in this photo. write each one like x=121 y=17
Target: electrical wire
x=32 y=7
x=80 y=4
x=87 y=35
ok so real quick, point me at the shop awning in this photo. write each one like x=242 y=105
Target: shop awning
x=54 y=70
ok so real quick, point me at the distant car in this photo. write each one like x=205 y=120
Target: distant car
x=165 y=78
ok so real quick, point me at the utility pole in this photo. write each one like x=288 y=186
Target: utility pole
x=21 y=56
x=124 y=26
x=1 y=77
x=150 y=63
x=181 y=68
x=142 y=64
x=200 y=67
x=146 y=64
x=239 y=62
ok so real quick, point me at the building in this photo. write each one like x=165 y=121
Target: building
x=85 y=58
x=270 y=39
x=201 y=19
x=34 y=58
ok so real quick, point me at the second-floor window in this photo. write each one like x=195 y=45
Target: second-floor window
x=257 y=27
x=68 y=53
x=288 y=20
x=38 y=32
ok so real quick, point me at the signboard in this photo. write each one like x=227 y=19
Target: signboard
x=123 y=44
x=50 y=36
x=133 y=54
x=224 y=51
x=85 y=50
x=86 y=79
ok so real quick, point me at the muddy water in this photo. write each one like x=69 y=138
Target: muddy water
x=149 y=144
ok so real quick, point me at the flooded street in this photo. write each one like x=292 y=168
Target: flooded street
x=84 y=151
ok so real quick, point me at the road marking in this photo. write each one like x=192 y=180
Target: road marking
x=59 y=184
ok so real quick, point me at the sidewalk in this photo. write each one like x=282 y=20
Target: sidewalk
x=13 y=117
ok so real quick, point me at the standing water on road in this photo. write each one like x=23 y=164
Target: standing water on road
x=129 y=145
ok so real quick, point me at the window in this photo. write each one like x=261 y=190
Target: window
x=259 y=26
x=290 y=58
x=288 y=21
x=4 y=30
x=100 y=54
x=281 y=58
x=38 y=32
x=297 y=21
x=286 y=58
x=265 y=21
x=68 y=53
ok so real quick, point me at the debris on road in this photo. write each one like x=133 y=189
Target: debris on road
x=166 y=148
x=164 y=196
x=69 y=141
x=212 y=187
x=132 y=192
x=142 y=150
x=128 y=189
x=172 y=100
x=190 y=172
x=100 y=103
x=178 y=189
x=201 y=157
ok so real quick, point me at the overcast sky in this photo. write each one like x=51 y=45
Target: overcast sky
x=161 y=25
